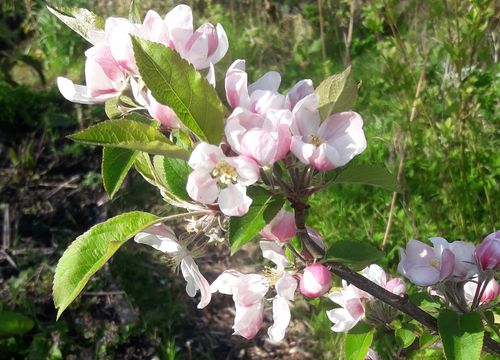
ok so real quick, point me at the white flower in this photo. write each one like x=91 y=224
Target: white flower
x=162 y=238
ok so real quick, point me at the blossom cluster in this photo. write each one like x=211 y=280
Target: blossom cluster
x=459 y=272
x=264 y=132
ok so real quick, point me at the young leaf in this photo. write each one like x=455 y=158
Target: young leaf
x=461 y=334
x=337 y=93
x=405 y=337
x=116 y=163
x=174 y=173
x=14 y=323
x=264 y=208
x=129 y=134
x=112 y=110
x=81 y=21
x=355 y=253
x=90 y=251
x=174 y=82
x=358 y=341
x=365 y=175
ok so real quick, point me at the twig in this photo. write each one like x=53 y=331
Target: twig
x=6 y=226
x=348 y=37
x=321 y=29
x=403 y=151
x=62 y=186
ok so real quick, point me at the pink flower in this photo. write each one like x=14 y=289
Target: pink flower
x=259 y=97
x=326 y=145
x=424 y=265
x=488 y=253
x=216 y=177
x=202 y=48
x=162 y=238
x=281 y=228
x=351 y=309
x=263 y=138
x=351 y=299
x=490 y=293
x=316 y=281
x=104 y=77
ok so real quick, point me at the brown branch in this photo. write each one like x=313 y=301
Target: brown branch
x=401 y=303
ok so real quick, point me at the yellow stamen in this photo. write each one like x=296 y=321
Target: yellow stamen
x=315 y=140
x=225 y=172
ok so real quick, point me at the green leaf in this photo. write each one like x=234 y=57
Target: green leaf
x=82 y=21
x=365 y=175
x=116 y=163
x=405 y=337
x=90 y=251
x=462 y=335
x=175 y=82
x=129 y=134
x=358 y=341
x=112 y=110
x=355 y=253
x=264 y=208
x=14 y=323
x=174 y=173
x=337 y=93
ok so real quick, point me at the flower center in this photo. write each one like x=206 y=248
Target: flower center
x=225 y=172
x=315 y=140
x=272 y=275
x=436 y=263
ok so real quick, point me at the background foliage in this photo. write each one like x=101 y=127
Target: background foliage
x=429 y=97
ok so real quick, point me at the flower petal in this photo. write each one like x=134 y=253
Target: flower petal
x=233 y=200
x=275 y=253
x=281 y=319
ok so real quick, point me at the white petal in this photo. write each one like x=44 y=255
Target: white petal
x=79 y=93
x=195 y=281
x=233 y=200
x=269 y=81
x=205 y=156
x=158 y=242
x=342 y=320
x=281 y=319
x=376 y=274
x=211 y=74
x=286 y=286
x=226 y=282
x=202 y=187
x=275 y=253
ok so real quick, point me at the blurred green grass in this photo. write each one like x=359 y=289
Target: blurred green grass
x=451 y=164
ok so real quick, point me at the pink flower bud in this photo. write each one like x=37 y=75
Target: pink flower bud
x=488 y=253
x=316 y=281
x=281 y=229
x=491 y=292
x=396 y=286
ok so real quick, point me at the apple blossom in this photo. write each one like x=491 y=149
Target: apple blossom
x=105 y=78
x=216 y=177
x=259 y=97
x=263 y=138
x=281 y=228
x=424 y=265
x=326 y=145
x=488 y=252
x=162 y=238
x=248 y=292
x=352 y=300
x=202 y=48
x=316 y=281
